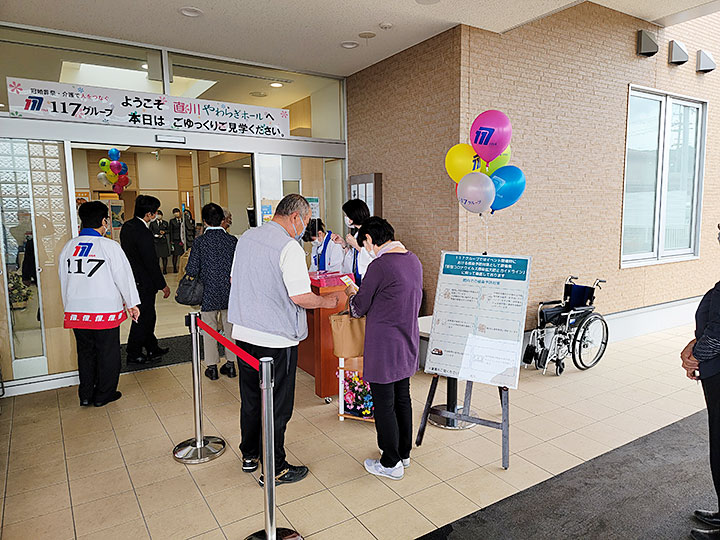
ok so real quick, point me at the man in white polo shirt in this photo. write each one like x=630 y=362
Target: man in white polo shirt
x=269 y=294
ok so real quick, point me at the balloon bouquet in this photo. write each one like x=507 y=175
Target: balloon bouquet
x=114 y=172
x=485 y=181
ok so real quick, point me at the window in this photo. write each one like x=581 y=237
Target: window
x=662 y=178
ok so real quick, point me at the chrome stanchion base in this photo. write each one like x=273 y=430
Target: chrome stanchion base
x=448 y=423
x=188 y=452
x=281 y=534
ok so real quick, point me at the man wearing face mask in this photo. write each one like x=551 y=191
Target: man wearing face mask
x=269 y=293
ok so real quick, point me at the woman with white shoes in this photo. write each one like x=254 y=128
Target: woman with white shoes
x=389 y=296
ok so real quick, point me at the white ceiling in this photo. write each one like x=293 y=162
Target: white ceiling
x=306 y=34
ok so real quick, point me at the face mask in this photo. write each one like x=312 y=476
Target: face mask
x=370 y=252
x=348 y=222
x=316 y=243
x=298 y=234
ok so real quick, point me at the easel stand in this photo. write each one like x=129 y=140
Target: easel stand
x=453 y=419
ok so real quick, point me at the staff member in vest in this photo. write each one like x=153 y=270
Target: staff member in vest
x=390 y=296
x=138 y=244
x=97 y=287
x=269 y=294
x=356 y=258
x=326 y=256
x=210 y=261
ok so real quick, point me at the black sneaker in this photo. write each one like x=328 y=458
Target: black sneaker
x=212 y=373
x=228 y=369
x=117 y=395
x=289 y=475
x=250 y=464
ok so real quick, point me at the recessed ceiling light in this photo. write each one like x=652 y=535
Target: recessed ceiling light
x=349 y=44
x=144 y=66
x=385 y=26
x=246 y=165
x=2 y=104
x=427 y=2
x=367 y=35
x=276 y=84
x=190 y=11
x=258 y=94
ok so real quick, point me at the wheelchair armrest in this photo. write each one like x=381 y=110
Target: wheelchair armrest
x=551 y=303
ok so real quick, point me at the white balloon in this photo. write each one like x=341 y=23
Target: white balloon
x=476 y=192
x=103 y=179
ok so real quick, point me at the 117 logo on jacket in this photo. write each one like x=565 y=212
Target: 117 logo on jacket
x=82 y=249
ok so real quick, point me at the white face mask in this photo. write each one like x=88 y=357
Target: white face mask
x=348 y=222
x=370 y=252
x=316 y=243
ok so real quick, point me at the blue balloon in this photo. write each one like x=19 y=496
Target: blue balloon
x=123 y=169
x=114 y=154
x=509 y=186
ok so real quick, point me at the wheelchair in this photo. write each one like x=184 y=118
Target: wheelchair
x=568 y=326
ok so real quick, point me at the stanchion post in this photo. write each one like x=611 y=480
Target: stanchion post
x=200 y=448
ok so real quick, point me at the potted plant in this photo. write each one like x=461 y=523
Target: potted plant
x=357 y=396
x=18 y=292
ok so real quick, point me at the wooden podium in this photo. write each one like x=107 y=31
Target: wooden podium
x=315 y=354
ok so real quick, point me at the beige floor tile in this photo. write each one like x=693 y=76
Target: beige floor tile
x=482 y=487
x=416 y=478
x=291 y=492
x=429 y=445
x=32 y=504
x=579 y=445
x=606 y=434
x=106 y=513
x=441 y=504
x=364 y=494
x=131 y=530
x=543 y=427
x=315 y=513
x=147 y=449
x=215 y=534
x=220 y=477
x=315 y=448
x=99 y=486
x=155 y=470
x=55 y=526
x=551 y=458
x=174 y=407
x=131 y=417
x=46 y=454
x=90 y=443
x=97 y=462
x=337 y=469
x=131 y=401
x=36 y=436
x=521 y=473
x=76 y=427
x=672 y=405
x=240 y=530
x=446 y=463
x=351 y=528
x=451 y=437
x=568 y=418
x=139 y=432
x=396 y=521
x=183 y=521
x=168 y=493
x=479 y=450
x=519 y=438
x=236 y=503
x=39 y=476
x=592 y=408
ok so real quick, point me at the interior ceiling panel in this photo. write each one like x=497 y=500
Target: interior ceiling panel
x=303 y=35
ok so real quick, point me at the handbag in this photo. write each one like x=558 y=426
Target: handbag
x=189 y=291
x=348 y=335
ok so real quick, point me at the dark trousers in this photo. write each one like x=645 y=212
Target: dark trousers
x=393 y=420
x=284 y=368
x=142 y=332
x=98 y=362
x=164 y=261
x=711 y=389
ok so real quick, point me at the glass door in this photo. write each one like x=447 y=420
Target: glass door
x=35 y=224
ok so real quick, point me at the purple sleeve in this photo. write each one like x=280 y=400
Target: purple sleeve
x=361 y=302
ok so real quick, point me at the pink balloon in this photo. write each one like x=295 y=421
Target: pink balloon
x=117 y=188
x=489 y=134
x=116 y=167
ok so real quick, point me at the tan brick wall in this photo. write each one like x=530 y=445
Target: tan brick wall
x=563 y=81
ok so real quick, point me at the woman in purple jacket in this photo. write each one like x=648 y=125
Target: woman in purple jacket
x=390 y=296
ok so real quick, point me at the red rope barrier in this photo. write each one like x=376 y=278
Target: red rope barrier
x=245 y=357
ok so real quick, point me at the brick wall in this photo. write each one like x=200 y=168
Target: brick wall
x=563 y=81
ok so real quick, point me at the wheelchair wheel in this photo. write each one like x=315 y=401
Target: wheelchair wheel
x=590 y=341
x=559 y=367
x=530 y=354
x=541 y=360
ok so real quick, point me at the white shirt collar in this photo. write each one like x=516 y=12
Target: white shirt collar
x=147 y=224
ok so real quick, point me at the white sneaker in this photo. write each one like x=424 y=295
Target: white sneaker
x=373 y=466
x=406 y=462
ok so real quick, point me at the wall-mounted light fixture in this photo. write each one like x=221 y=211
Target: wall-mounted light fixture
x=646 y=44
x=705 y=62
x=677 y=53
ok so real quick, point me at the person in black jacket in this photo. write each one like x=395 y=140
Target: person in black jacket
x=701 y=361
x=159 y=227
x=139 y=245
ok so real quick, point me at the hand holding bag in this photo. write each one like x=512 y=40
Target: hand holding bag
x=348 y=335
x=189 y=291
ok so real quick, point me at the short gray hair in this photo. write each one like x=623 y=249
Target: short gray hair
x=226 y=213
x=293 y=203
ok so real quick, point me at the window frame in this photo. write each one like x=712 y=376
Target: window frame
x=658 y=254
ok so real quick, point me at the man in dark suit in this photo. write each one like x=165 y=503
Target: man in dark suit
x=138 y=244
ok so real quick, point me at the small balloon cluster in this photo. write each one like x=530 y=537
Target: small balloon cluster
x=113 y=172
x=485 y=181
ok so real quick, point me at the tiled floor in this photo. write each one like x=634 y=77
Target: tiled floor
x=108 y=473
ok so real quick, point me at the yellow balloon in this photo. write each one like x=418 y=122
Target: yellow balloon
x=460 y=160
x=500 y=161
x=112 y=177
